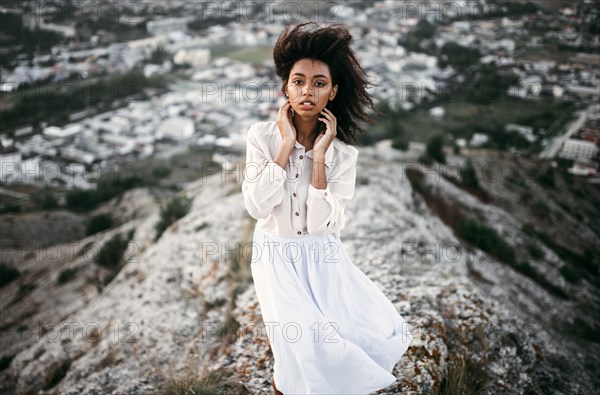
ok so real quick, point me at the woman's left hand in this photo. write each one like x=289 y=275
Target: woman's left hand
x=324 y=139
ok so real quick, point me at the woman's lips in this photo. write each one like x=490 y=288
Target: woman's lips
x=307 y=106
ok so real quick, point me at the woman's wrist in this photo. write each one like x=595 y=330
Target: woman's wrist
x=319 y=157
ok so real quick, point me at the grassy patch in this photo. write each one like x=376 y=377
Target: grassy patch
x=7 y=274
x=56 y=373
x=464 y=376
x=66 y=275
x=175 y=208
x=254 y=54
x=477 y=233
x=189 y=384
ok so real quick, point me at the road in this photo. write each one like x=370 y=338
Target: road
x=556 y=144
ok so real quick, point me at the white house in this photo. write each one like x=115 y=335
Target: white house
x=437 y=112
x=478 y=139
x=10 y=161
x=525 y=131
x=194 y=56
x=176 y=128
x=584 y=151
x=67 y=131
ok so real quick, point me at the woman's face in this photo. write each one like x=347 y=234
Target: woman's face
x=310 y=81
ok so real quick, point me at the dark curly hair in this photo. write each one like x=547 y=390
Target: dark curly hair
x=331 y=45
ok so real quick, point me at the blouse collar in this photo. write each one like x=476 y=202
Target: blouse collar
x=328 y=153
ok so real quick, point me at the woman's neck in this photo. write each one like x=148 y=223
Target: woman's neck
x=306 y=130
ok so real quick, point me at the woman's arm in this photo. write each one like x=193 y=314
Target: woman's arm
x=326 y=207
x=264 y=176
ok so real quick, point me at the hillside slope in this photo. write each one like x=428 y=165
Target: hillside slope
x=185 y=305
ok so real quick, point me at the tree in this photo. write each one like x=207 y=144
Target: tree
x=434 y=148
x=468 y=175
x=459 y=57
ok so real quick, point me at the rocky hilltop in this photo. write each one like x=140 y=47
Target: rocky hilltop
x=184 y=306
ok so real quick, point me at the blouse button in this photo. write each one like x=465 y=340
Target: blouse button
x=297 y=175
x=297 y=213
x=294 y=194
x=299 y=232
x=325 y=193
x=301 y=156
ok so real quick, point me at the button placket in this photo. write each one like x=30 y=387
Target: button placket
x=295 y=202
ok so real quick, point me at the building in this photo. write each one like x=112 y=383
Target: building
x=67 y=131
x=525 y=131
x=478 y=139
x=176 y=128
x=194 y=56
x=168 y=25
x=591 y=93
x=580 y=150
x=10 y=161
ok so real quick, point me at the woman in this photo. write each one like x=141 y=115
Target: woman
x=331 y=329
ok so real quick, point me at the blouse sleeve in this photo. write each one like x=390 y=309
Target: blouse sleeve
x=264 y=179
x=326 y=207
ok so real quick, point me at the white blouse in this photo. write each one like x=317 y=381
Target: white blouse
x=283 y=200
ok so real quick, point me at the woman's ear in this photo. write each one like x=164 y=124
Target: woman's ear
x=333 y=93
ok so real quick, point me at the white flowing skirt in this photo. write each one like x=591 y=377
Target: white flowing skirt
x=330 y=327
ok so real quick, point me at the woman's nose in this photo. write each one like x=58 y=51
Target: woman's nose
x=307 y=89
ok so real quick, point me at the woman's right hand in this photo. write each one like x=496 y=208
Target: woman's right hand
x=284 y=122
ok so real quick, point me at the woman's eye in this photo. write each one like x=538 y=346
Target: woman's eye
x=297 y=81
x=320 y=82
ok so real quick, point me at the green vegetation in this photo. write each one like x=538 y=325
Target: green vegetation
x=44 y=199
x=5 y=361
x=161 y=171
x=578 y=265
x=19 y=40
x=511 y=9
x=99 y=223
x=66 y=275
x=488 y=85
x=10 y=208
x=571 y=274
x=534 y=250
x=400 y=143
x=112 y=256
x=112 y=252
x=468 y=175
x=434 y=148
x=175 y=208
x=57 y=373
x=425 y=159
x=389 y=125
x=54 y=105
x=487 y=239
x=203 y=225
x=159 y=55
x=476 y=233
x=415 y=39
x=547 y=178
x=189 y=384
x=464 y=117
x=459 y=57
x=24 y=290
x=464 y=375
x=254 y=54
x=126 y=23
x=108 y=186
x=7 y=274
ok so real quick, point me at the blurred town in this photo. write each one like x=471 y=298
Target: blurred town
x=122 y=139
x=84 y=88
